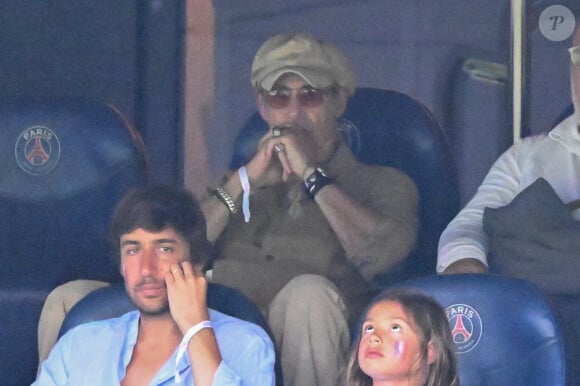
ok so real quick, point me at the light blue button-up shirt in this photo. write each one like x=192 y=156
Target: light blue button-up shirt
x=97 y=354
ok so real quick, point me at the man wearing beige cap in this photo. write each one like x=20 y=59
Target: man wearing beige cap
x=321 y=224
x=303 y=227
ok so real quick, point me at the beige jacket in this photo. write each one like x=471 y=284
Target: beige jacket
x=261 y=256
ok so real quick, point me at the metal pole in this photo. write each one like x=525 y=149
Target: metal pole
x=518 y=18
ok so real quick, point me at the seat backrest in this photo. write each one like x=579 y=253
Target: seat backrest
x=112 y=301
x=504 y=330
x=480 y=114
x=389 y=128
x=64 y=163
x=569 y=110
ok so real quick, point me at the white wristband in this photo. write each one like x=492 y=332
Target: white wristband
x=246 y=195
x=185 y=341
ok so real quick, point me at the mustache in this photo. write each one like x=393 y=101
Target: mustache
x=148 y=280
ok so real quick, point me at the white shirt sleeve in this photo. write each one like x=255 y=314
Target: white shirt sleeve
x=464 y=237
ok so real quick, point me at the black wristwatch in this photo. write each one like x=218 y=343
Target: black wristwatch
x=316 y=181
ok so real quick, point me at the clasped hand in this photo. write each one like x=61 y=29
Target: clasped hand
x=280 y=156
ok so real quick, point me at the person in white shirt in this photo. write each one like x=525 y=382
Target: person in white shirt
x=554 y=156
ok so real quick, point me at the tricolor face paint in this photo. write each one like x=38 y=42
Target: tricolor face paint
x=399 y=348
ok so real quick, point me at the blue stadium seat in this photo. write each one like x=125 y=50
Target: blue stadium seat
x=112 y=301
x=504 y=329
x=64 y=163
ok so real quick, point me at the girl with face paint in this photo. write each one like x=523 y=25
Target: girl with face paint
x=404 y=339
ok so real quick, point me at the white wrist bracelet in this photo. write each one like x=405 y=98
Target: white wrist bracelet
x=246 y=195
x=185 y=341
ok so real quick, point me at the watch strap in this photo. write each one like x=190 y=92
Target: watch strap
x=317 y=180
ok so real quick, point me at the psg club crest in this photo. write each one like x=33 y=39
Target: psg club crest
x=466 y=327
x=37 y=150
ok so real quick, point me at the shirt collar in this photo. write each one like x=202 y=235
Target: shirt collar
x=566 y=133
x=343 y=160
x=167 y=371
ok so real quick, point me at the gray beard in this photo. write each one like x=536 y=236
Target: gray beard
x=296 y=196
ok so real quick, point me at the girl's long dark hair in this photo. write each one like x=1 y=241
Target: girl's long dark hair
x=431 y=325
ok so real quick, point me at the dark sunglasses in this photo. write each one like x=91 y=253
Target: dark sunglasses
x=307 y=97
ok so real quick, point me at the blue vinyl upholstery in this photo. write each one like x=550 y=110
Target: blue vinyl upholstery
x=389 y=128
x=110 y=302
x=504 y=329
x=64 y=163
x=569 y=110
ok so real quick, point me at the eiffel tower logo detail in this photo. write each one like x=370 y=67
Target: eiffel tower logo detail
x=37 y=150
x=37 y=155
x=460 y=330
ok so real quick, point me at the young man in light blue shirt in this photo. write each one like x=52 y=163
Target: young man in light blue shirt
x=172 y=337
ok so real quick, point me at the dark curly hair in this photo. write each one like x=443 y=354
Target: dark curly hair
x=159 y=207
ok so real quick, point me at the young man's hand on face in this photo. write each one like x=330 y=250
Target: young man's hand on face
x=186 y=292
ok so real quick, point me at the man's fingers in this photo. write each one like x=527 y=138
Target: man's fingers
x=198 y=270
x=176 y=271
x=188 y=269
x=183 y=270
x=283 y=157
x=276 y=146
x=169 y=279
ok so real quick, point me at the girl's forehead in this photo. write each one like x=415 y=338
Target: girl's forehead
x=387 y=309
